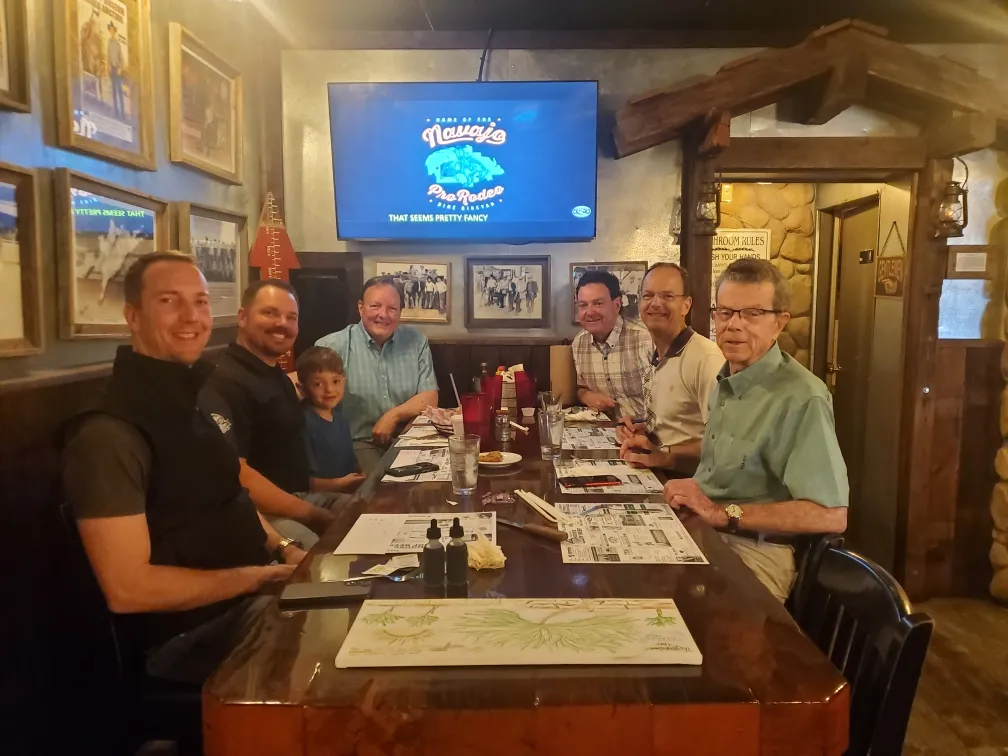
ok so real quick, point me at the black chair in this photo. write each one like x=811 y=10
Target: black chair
x=153 y=709
x=808 y=551
x=861 y=618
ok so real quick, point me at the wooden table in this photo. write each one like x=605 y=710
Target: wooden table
x=763 y=688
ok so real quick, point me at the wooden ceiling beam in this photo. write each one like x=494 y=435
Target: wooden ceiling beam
x=823 y=99
x=961 y=135
x=660 y=117
x=866 y=154
x=718 y=130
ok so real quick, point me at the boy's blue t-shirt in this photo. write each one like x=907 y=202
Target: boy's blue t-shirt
x=329 y=445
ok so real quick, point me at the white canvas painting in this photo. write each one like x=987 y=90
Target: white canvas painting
x=504 y=632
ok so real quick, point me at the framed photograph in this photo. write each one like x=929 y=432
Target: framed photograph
x=21 y=329
x=630 y=275
x=425 y=288
x=15 y=86
x=205 y=107
x=216 y=240
x=507 y=292
x=101 y=229
x=104 y=80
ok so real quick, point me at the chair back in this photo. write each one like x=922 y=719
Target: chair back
x=860 y=617
x=808 y=552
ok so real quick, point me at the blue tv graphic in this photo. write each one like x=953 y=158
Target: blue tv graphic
x=491 y=161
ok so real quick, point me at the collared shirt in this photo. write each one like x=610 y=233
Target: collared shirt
x=380 y=379
x=257 y=407
x=771 y=437
x=615 y=367
x=681 y=384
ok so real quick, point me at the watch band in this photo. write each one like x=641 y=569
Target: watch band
x=734 y=513
x=282 y=544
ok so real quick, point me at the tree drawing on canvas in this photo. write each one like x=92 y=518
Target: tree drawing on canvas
x=517 y=631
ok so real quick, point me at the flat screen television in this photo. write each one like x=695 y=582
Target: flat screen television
x=465 y=161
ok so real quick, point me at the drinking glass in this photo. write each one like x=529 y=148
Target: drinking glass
x=550 y=402
x=463 y=456
x=551 y=433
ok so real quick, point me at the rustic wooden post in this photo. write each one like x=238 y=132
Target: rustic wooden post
x=927 y=260
x=696 y=248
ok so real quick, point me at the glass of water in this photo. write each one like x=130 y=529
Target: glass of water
x=463 y=456
x=551 y=433
x=550 y=402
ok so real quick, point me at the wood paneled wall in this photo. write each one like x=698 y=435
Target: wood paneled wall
x=967 y=391
x=462 y=359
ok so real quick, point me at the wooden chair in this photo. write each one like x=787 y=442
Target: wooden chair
x=153 y=709
x=808 y=552
x=861 y=618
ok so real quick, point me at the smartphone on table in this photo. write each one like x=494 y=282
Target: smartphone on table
x=589 y=481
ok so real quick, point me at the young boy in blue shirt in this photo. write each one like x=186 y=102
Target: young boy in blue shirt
x=331 y=459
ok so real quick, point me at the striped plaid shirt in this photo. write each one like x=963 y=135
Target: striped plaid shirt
x=617 y=366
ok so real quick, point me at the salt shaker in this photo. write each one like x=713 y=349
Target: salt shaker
x=502 y=425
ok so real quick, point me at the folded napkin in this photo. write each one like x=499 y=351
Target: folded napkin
x=585 y=415
x=509 y=373
x=484 y=555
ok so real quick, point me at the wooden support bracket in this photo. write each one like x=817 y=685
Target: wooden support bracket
x=961 y=135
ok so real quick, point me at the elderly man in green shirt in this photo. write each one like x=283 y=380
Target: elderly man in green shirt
x=770 y=466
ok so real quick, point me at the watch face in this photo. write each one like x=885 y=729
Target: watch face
x=734 y=511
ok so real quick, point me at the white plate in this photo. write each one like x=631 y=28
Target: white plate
x=510 y=458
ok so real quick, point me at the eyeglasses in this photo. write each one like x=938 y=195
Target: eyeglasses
x=663 y=297
x=746 y=314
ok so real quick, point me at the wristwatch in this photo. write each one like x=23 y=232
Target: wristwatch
x=283 y=544
x=734 y=512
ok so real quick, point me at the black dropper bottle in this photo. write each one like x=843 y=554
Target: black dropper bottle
x=433 y=563
x=457 y=556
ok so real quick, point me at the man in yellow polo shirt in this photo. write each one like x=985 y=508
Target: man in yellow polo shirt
x=770 y=465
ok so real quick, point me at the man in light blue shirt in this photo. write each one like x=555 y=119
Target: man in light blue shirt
x=389 y=371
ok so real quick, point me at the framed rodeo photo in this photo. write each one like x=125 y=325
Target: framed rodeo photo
x=216 y=241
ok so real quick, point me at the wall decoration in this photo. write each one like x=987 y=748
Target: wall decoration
x=15 y=87
x=101 y=229
x=206 y=107
x=104 y=80
x=731 y=244
x=630 y=275
x=425 y=288
x=21 y=330
x=507 y=292
x=215 y=238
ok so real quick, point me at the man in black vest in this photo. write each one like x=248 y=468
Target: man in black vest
x=257 y=408
x=174 y=540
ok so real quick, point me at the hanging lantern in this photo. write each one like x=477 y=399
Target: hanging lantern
x=708 y=208
x=953 y=211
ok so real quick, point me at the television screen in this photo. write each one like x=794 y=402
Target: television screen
x=465 y=161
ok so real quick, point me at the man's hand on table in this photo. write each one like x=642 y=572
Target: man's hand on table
x=596 y=400
x=350 y=483
x=627 y=428
x=638 y=451
x=685 y=493
x=319 y=520
x=384 y=429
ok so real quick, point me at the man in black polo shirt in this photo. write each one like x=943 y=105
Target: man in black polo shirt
x=173 y=538
x=257 y=407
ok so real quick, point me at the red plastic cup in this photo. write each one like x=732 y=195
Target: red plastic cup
x=475 y=412
x=493 y=385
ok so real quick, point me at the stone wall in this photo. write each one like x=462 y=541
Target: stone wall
x=788 y=212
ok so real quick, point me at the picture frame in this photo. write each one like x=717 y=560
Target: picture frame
x=22 y=330
x=216 y=240
x=424 y=287
x=101 y=228
x=15 y=83
x=195 y=72
x=497 y=309
x=104 y=80
x=630 y=272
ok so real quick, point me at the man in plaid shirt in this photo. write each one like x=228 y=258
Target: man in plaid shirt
x=611 y=354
